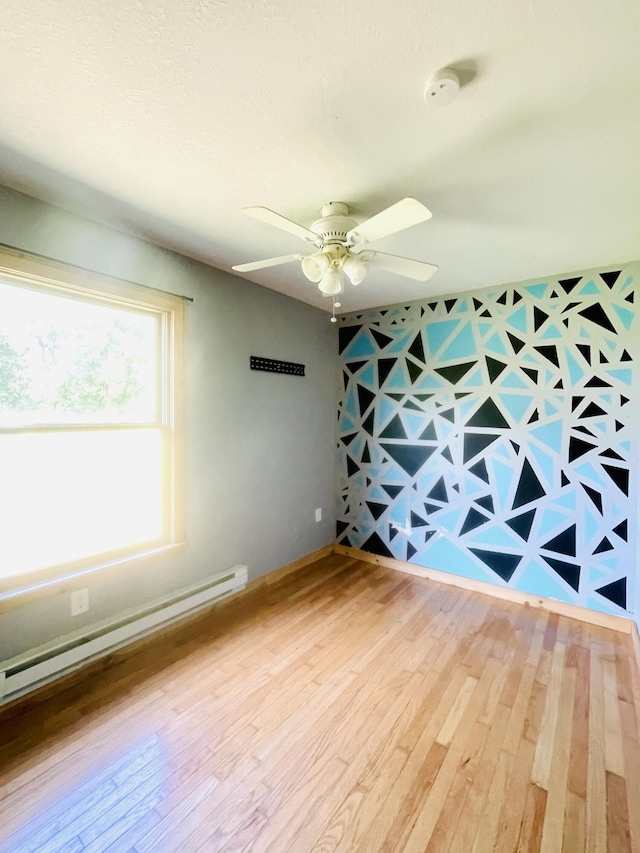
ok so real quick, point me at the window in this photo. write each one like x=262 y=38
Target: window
x=89 y=420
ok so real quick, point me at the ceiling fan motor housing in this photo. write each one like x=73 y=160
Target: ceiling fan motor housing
x=335 y=223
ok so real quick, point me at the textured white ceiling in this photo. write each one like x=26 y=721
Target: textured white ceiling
x=167 y=118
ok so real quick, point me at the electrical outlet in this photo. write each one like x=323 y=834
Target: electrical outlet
x=319 y=514
x=79 y=601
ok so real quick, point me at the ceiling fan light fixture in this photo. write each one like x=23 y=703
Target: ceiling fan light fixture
x=315 y=266
x=330 y=284
x=355 y=269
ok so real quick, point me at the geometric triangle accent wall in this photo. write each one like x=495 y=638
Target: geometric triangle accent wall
x=491 y=435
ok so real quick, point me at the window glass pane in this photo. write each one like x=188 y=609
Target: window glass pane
x=77 y=493
x=67 y=360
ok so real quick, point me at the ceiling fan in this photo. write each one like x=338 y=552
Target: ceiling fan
x=341 y=243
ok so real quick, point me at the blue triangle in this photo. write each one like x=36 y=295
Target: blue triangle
x=513 y=380
x=545 y=464
x=596 y=575
x=428 y=381
x=413 y=423
x=625 y=315
x=622 y=375
x=568 y=500
x=503 y=477
x=462 y=306
x=485 y=328
x=589 y=289
x=346 y=424
x=550 y=409
x=443 y=555
x=397 y=378
x=518 y=320
x=515 y=404
x=462 y=346
x=538 y=579
x=552 y=332
x=361 y=345
x=591 y=527
x=496 y=344
x=367 y=377
x=536 y=290
x=400 y=344
x=595 y=602
x=472 y=379
x=575 y=371
x=550 y=435
x=550 y=520
x=438 y=333
x=497 y=535
x=385 y=409
x=350 y=404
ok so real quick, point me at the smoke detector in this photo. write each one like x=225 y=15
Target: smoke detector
x=442 y=88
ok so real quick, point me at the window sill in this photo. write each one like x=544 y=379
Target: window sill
x=18 y=595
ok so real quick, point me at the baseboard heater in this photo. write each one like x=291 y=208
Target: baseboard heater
x=24 y=673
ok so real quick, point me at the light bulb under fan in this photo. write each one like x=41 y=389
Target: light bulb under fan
x=340 y=243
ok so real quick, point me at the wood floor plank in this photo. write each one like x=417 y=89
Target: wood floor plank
x=344 y=707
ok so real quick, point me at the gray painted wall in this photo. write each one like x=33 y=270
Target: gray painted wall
x=259 y=446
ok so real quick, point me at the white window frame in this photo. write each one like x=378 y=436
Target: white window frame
x=46 y=275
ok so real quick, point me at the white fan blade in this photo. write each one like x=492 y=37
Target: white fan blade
x=418 y=270
x=269 y=262
x=399 y=216
x=273 y=218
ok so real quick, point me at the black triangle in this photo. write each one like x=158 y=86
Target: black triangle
x=429 y=433
x=604 y=545
x=394 y=429
x=504 y=565
x=563 y=543
x=410 y=550
x=433 y=305
x=354 y=366
x=393 y=532
x=570 y=306
x=531 y=373
x=480 y=470
x=449 y=414
x=616 y=592
x=475 y=442
x=488 y=415
x=598 y=315
x=534 y=417
x=485 y=313
x=474 y=519
x=559 y=384
x=630 y=298
x=502 y=299
x=413 y=406
x=341 y=526
x=365 y=398
x=395 y=396
x=347 y=439
x=422 y=397
x=416 y=349
x=597 y=382
x=456 y=487
x=622 y=529
x=568 y=284
x=539 y=318
x=376 y=509
x=596 y=497
x=375 y=545
x=439 y=492
x=516 y=297
x=620 y=477
x=593 y=410
x=515 y=445
x=564 y=480
x=585 y=349
x=393 y=491
x=521 y=524
x=529 y=486
x=455 y=372
x=385 y=366
x=417 y=520
x=428 y=534
x=415 y=371
x=352 y=467
x=516 y=343
x=567 y=571
x=494 y=367
x=447 y=455
x=367 y=423
x=382 y=340
x=623 y=400
x=449 y=303
x=586 y=431
x=345 y=335
x=477 y=304
x=429 y=508
x=410 y=457
x=366 y=456
x=486 y=503
x=610 y=277
x=625 y=356
x=575 y=402
x=550 y=353
x=603 y=359
x=578 y=447
x=345 y=379
x=619 y=426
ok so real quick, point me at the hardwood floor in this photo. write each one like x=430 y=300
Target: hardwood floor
x=347 y=707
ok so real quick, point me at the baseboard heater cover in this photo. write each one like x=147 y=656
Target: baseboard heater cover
x=24 y=673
